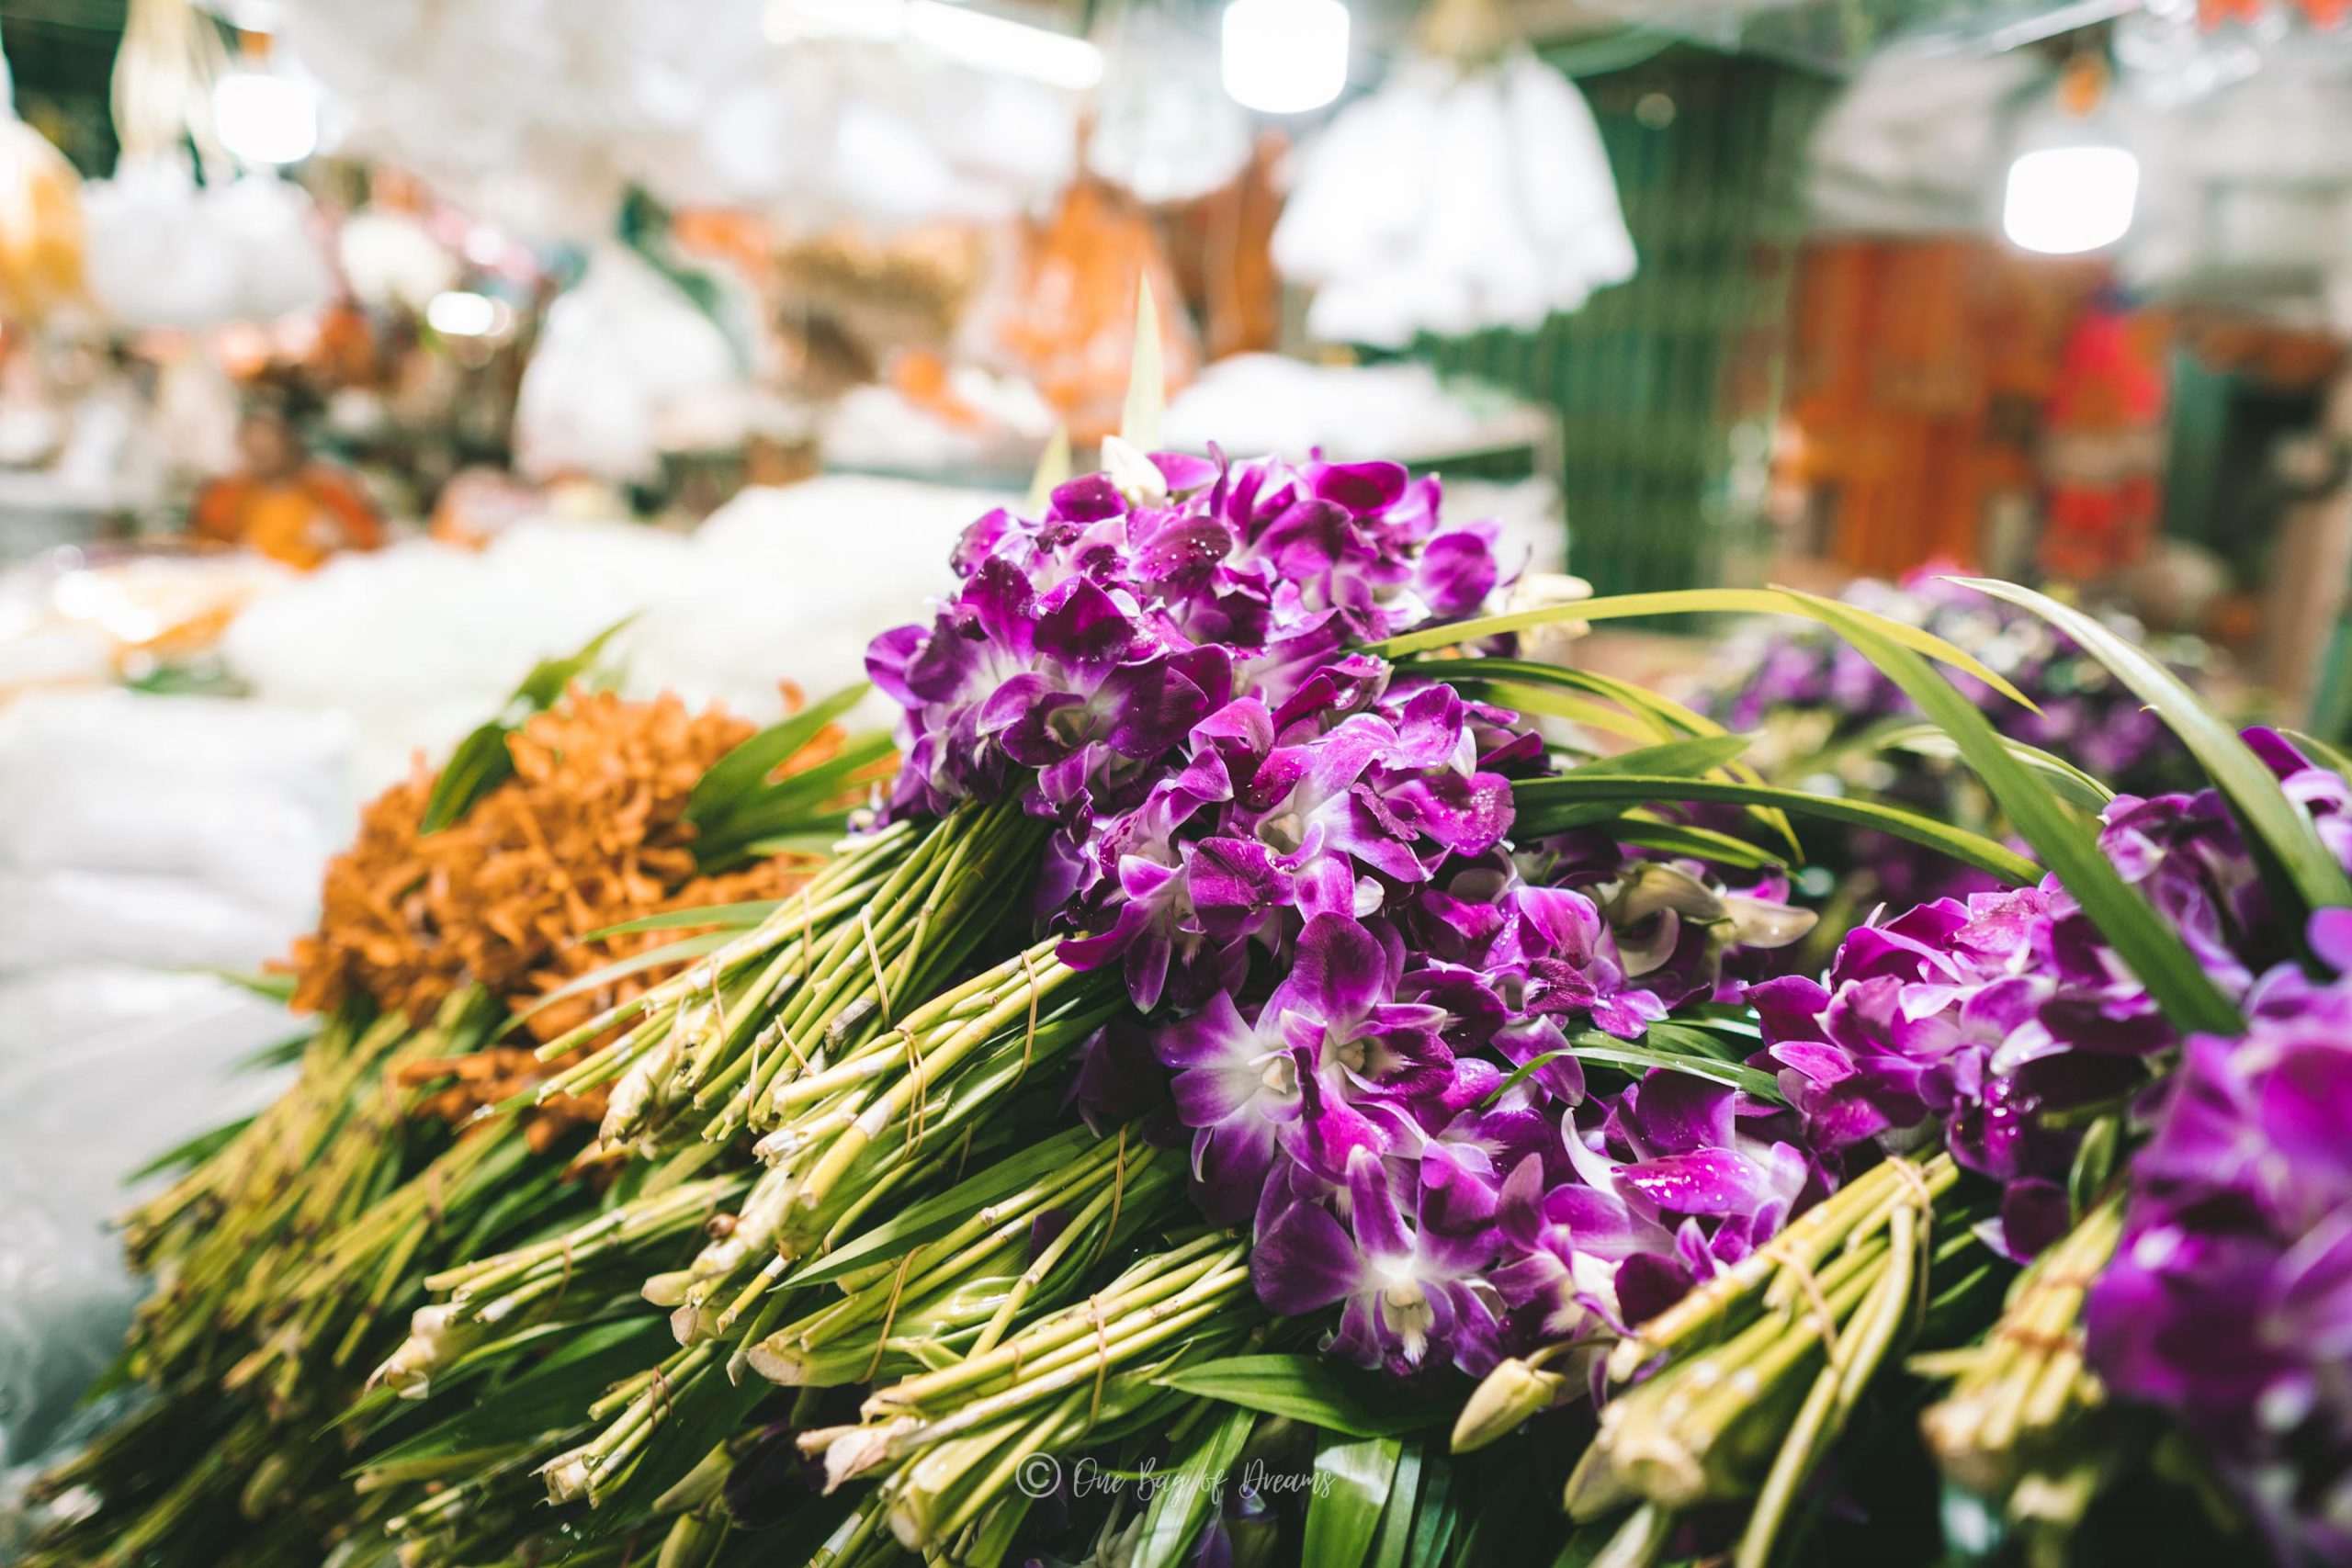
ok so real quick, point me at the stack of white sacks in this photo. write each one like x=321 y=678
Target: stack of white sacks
x=417 y=644
x=143 y=840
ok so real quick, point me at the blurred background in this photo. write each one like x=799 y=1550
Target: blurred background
x=355 y=354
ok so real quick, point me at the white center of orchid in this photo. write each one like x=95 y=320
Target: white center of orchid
x=1284 y=833
x=1351 y=1054
x=1280 y=1076
x=1405 y=1312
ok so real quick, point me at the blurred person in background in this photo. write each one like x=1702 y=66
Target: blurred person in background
x=281 y=502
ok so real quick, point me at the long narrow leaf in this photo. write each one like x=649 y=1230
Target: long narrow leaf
x=272 y=986
x=1395 y=1537
x=792 y=803
x=746 y=767
x=1690 y=758
x=1435 y=1514
x=2154 y=951
x=733 y=917
x=1661 y=716
x=550 y=678
x=1305 y=1388
x=191 y=1154
x=2076 y=786
x=1669 y=717
x=1630 y=1058
x=1539 y=701
x=1694 y=844
x=824 y=832
x=1555 y=806
x=1351 y=1483
x=1180 y=1504
x=679 y=951
x=1690 y=602
x=1147 y=375
x=2240 y=774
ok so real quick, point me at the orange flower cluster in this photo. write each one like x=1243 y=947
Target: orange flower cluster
x=588 y=833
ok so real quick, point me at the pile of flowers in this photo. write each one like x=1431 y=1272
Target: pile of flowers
x=1192 y=903
x=1370 y=992
x=2001 y=1017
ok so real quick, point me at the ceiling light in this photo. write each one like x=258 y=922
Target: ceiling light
x=1285 y=56
x=2062 y=201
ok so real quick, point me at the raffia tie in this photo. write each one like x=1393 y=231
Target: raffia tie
x=890 y=1312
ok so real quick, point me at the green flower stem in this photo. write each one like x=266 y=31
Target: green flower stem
x=656 y=1214
x=842 y=888
x=970 y=1284
x=1081 y=1362
x=2025 y=1384
x=1870 y=1334
x=1669 y=1445
x=1102 y=1208
x=1768 y=1358
x=1150 y=1281
x=1856 y=1208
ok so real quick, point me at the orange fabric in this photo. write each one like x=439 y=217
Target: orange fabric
x=1071 y=324
x=300 y=522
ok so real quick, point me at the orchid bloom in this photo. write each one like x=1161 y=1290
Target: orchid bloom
x=1408 y=1290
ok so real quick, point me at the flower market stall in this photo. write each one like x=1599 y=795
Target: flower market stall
x=1235 y=1032
x=818 y=785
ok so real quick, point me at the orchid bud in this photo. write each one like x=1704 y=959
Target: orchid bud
x=1512 y=1394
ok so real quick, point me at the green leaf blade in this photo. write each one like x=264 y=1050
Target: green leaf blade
x=1352 y=1479
x=745 y=768
x=1304 y=1388
x=2146 y=944
x=1180 y=1504
x=2242 y=777
x=1579 y=799
x=1690 y=602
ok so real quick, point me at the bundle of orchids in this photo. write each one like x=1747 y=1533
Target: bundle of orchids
x=1247 y=1061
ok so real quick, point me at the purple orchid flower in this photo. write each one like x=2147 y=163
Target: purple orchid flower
x=1310 y=1072
x=1411 y=1294
x=2229 y=1301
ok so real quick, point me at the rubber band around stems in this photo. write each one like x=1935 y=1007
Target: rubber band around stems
x=1809 y=1286
x=1118 y=1196
x=916 y=1115
x=1102 y=1360
x=1909 y=1175
x=890 y=1312
x=1029 y=1040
